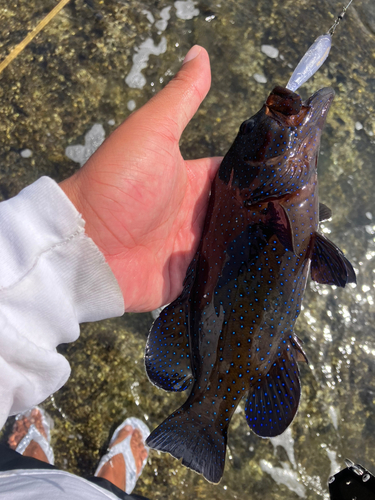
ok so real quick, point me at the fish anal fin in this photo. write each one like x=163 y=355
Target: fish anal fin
x=200 y=445
x=274 y=398
x=324 y=212
x=329 y=266
x=168 y=354
x=280 y=224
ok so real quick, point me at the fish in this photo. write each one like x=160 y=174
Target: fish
x=230 y=335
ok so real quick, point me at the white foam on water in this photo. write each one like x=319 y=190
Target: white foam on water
x=335 y=467
x=26 y=153
x=93 y=139
x=162 y=24
x=287 y=442
x=313 y=484
x=332 y=412
x=284 y=475
x=186 y=9
x=135 y=79
x=148 y=14
x=259 y=78
x=111 y=122
x=270 y=51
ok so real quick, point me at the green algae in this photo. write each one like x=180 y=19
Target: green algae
x=72 y=76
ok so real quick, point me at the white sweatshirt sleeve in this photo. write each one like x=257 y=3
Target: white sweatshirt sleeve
x=52 y=277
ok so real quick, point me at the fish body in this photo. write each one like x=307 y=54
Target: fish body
x=230 y=334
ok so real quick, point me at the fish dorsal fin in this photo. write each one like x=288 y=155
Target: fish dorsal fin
x=324 y=212
x=329 y=266
x=274 y=398
x=168 y=353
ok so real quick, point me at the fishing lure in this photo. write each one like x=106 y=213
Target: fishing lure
x=315 y=56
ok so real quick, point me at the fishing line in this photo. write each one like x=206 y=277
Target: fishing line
x=339 y=18
x=315 y=56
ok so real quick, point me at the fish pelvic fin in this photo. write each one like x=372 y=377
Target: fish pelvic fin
x=200 y=445
x=274 y=398
x=168 y=354
x=329 y=266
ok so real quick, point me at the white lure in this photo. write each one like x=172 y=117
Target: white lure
x=314 y=57
x=310 y=62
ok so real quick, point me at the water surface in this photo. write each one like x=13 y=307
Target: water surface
x=93 y=64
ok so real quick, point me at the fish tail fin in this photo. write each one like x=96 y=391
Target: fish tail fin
x=201 y=446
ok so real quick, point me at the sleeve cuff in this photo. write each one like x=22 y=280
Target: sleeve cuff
x=41 y=224
x=52 y=277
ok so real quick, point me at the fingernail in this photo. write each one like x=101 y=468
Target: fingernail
x=192 y=54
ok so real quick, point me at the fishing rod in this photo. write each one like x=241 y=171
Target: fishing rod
x=19 y=48
x=315 y=56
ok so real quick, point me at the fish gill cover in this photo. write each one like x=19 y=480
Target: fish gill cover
x=230 y=334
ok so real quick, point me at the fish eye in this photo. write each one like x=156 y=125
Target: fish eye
x=247 y=126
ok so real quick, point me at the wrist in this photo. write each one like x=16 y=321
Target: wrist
x=72 y=191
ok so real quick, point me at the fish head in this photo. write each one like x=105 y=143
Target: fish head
x=284 y=124
x=282 y=137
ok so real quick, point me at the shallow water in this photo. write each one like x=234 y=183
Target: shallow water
x=93 y=64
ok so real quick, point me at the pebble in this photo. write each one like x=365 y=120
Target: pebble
x=26 y=153
x=270 y=51
x=259 y=78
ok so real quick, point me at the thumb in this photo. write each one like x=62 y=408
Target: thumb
x=177 y=103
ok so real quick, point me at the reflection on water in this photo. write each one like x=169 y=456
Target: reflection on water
x=96 y=62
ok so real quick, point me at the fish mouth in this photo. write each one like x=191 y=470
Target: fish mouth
x=305 y=120
x=318 y=105
x=287 y=108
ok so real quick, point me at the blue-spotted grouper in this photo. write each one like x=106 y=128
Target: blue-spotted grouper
x=229 y=335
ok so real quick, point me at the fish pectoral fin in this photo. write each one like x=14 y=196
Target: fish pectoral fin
x=274 y=398
x=280 y=224
x=168 y=354
x=324 y=212
x=329 y=266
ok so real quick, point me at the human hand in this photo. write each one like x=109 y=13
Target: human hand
x=143 y=204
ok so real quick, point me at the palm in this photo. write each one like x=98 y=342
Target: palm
x=149 y=214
